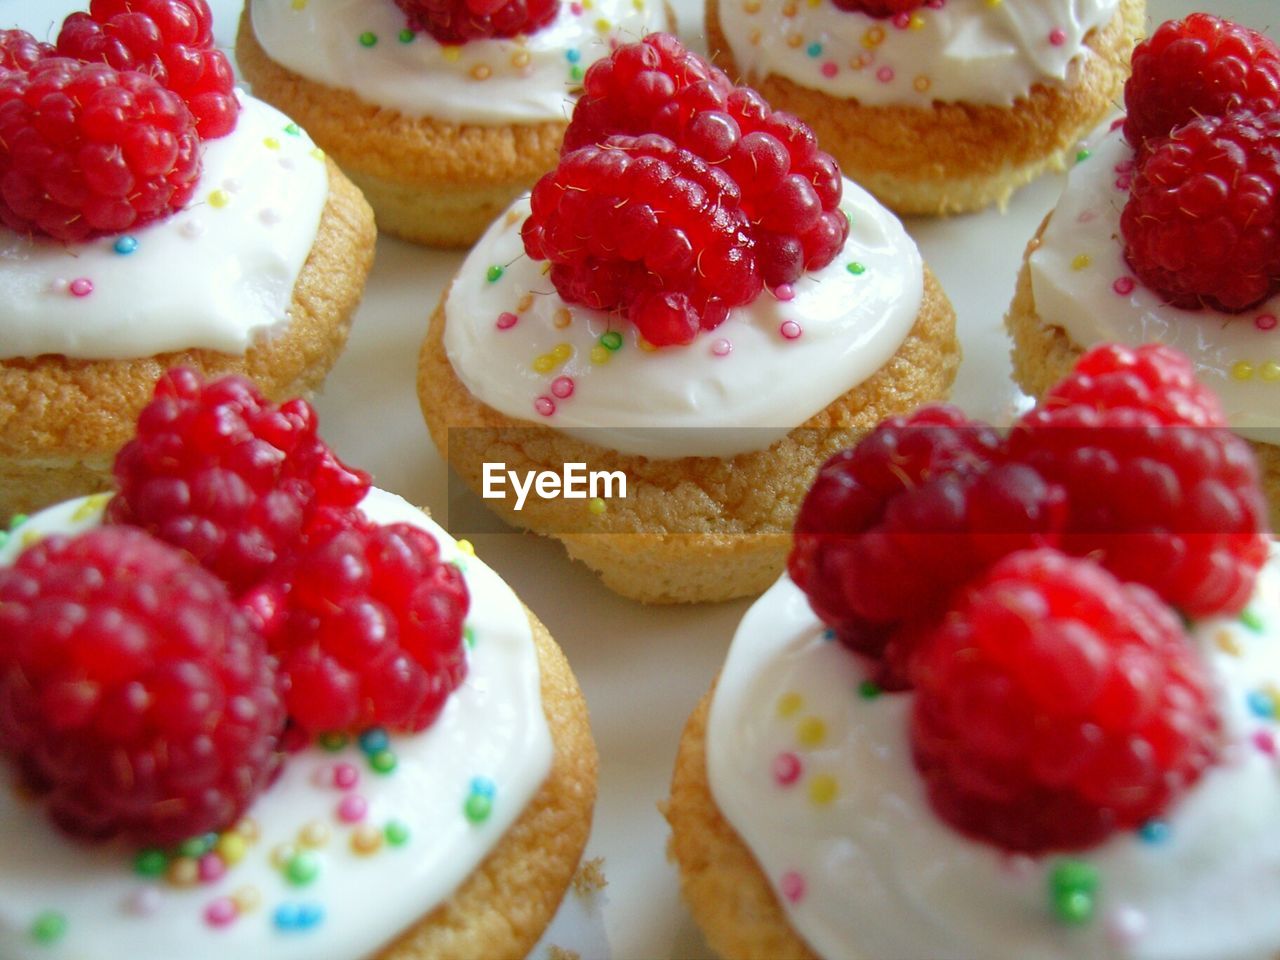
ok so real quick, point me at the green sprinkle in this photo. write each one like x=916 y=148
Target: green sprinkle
x=856 y=268
x=368 y=38
x=575 y=73
x=1075 y=907
x=150 y=863
x=293 y=130
x=406 y=35
x=196 y=847
x=478 y=807
x=397 y=833
x=869 y=690
x=18 y=520
x=384 y=761
x=1252 y=620
x=49 y=927
x=302 y=869
x=494 y=273
x=469 y=636
x=611 y=340
x=848 y=216
x=4 y=538
x=1083 y=155
x=597 y=506
x=1073 y=886
x=333 y=742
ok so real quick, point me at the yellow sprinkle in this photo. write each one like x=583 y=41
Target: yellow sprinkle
x=561 y=319
x=823 y=789
x=520 y=59
x=184 y=872
x=232 y=847
x=512 y=217
x=300 y=4
x=811 y=732
x=1242 y=370
x=587 y=4
x=645 y=345
x=600 y=354
x=790 y=10
x=873 y=38
x=451 y=54
x=271 y=143
x=814 y=3
x=282 y=854
x=248 y=828
x=795 y=40
x=29 y=538
x=317 y=153
x=315 y=834
x=543 y=364
x=524 y=303
x=1227 y=643
x=638 y=4
x=859 y=62
x=481 y=71
x=562 y=352
x=597 y=506
x=466 y=546
x=994 y=3
x=603 y=25
x=921 y=83
x=916 y=22
x=366 y=840
x=90 y=506
x=1270 y=371
x=754 y=38
x=789 y=704
x=751 y=6
x=219 y=199
x=1080 y=261
x=247 y=899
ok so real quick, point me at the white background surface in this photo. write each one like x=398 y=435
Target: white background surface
x=642 y=668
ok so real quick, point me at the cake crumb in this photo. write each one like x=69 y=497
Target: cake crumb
x=590 y=877
x=560 y=953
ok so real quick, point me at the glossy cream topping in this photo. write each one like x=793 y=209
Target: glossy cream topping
x=215 y=275
x=770 y=366
x=978 y=51
x=365 y=46
x=1082 y=284
x=818 y=780
x=489 y=751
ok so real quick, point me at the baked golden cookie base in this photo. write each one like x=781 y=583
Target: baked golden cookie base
x=726 y=891
x=503 y=907
x=733 y=515
x=62 y=419
x=1044 y=353
x=955 y=157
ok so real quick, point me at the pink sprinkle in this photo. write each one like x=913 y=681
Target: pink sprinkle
x=722 y=348
x=1123 y=181
x=792 y=886
x=1123 y=286
x=902 y=20
x=1265 y=322
x=144 y=901
x=790 y=330
x=507 y=320
x=353 y=808
x=562 y=387
x=81 y=287
x=784 y=292
x=1087 y=216
x=545 y=406
x=576 y=8
x=345 y=776
x=1057 y=36
x=884 y=74
x=786 y=769
x=1265 y=741
x=210 y=868
x=829 y=69
x=220 y=912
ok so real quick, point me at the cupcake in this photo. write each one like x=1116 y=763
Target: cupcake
x=442 y=113
x=935 y=107
x=967 y=724
x=1166 y=229
x=431 y=793
x=700 y=341
x=198 y=226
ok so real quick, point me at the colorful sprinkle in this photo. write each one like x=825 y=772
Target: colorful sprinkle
x=544 y=406
x=1225 y=642
x=232 y=848
x=1057 y=36
x=405 y=35
x=150 y=863
x=562 y=387
x=1154 y=831
x=333 y=742
x=293 y=130
x=345 y=776
x=1265 y=741
x=561 y=318
x=1073 y=886
x=368 y=39
x=823 y=789
x=315 y=834
x=478 y=808
x=829 y=69
x=1252 y=620
x=789 y=704
x=1261 y=704
x=302 y=869
x=792 y=886
x=49 y=927
x=353 y=808
x=397 y=833
x=221 y=912
x=1083 y=155
x=811 y=732
x=374 y=740
x=1270 y=371
x=494 y=273
x=612 y=340
x=384 y=761
x=183 y=872
x=80 y=287
x=721 y=347
x=125 y=245
x=1123 y=286
x=298 y=917
x=790 y=330
x=786 y=769
x=869 y=690
x=885 y=74
x=219 y=199
x=507 y=320
x=210 y=868
x=366 y=840
x=1266 y=321
x=856 y=268
x=784 y=292
x=1081 y=261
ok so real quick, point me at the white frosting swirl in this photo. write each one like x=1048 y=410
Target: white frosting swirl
x=978 y=51
x=366 y=47
x=492 y=727
x=736 y=388
x=872 y=872
x=1082 y=284
x=216 y=274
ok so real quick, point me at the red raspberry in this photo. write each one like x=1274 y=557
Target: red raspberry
x=235 y=480
x=1055 y=704
x=133 y=694
x=1198 y=67
x=172 y=40
x=879 y=8
x=372 y=629
x=86 y=150
x=790 y=190
x=457 y=21
x=21 y=51
x=1202 y=225
x=1160 y=492
x=639 y=224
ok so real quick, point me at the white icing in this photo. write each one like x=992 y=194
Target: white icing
x=972 y=50
x=492 y=727
x=689 y=400
x=527 y=79
x=213 y=275
x=884 y=877
x=1084 y=302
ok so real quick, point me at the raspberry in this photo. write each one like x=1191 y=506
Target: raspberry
x=171 y=40
x=790 y=190
x=133 y=694
x=372 y=635
x=222 y=473
x=639 y=224
x=1198 y=67
x=879 y=8
x=21 y=51
x=86 y=150
x=1202 y=224
x=1160 y=492
x=457 y=21
x=1055 y=704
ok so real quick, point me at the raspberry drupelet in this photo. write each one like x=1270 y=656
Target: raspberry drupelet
x=457 y=21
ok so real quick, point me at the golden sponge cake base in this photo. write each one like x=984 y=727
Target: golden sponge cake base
x=62 y=419
x=696 y=528
x=953 y=157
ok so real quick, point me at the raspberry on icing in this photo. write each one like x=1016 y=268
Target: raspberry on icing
x=457 y=21
x=881 y=9
x=137 y=699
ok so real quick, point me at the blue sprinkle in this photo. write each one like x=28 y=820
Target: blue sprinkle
x=828 y=634
x=1154 y=831
x=573 y=56
x=126 y=245
x=814 y=50
x=1261 y=704
x=298 y=916
x=310 y=915
x=374 y=740
x=483 y=786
